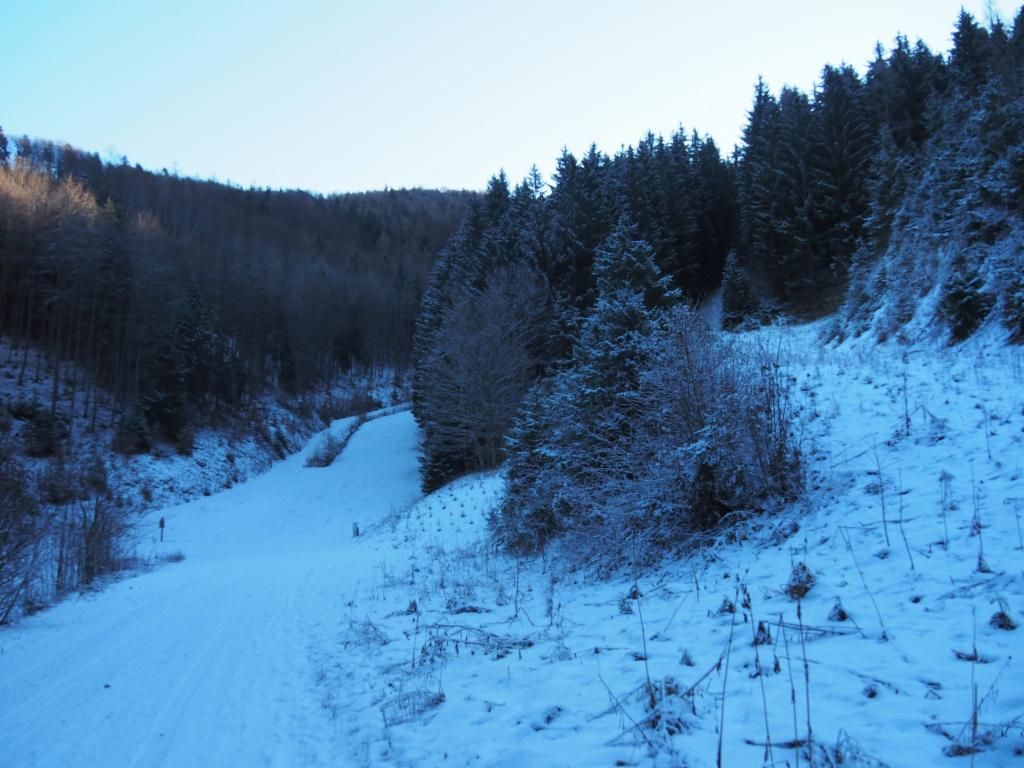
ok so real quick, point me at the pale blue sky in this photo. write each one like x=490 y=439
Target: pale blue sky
x=343 y=96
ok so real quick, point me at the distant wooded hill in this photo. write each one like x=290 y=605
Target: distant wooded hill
x=182 y=295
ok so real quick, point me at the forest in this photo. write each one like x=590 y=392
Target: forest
x=560 y=333
x=140 y=310
x=675 y=454
x=186 y=299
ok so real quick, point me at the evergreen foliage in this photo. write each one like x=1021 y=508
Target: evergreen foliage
x=739 y=300
x=679 y=198
x=20 y=525
x=964 y=299
x=867 y=195
x=583 y=417
x=187 y=299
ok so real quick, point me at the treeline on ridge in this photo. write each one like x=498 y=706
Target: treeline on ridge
x=551 y=310
x=185 y=298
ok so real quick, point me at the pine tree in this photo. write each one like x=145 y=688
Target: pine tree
x=683 y=197
x=795 y=259
x=756 y=180
x=964 y=300
x=583 y=418
x=739 y=301
x=712 y=195
x=841 y=147
x=971 y=55
x=580 y=219
x=898 y=91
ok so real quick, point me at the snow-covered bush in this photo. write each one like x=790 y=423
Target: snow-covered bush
x=132 y=434
x=700 y=429
x=716 y=428
x=87 y=540
x=487 y=353
x=20 y=529
x=326 y=451
x=1013 y=302
x=965 y=303
x=46 y=434
x=331 y=445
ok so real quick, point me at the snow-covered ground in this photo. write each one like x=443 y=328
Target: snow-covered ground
x=222 y=455
x=213 y=660
x=283 y=640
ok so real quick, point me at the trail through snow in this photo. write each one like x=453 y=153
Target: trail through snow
x=281 y=640
x=214 y=660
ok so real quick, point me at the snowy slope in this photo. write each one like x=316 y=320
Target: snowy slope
x=454 y=655
x=211 y=661
x=282 y=640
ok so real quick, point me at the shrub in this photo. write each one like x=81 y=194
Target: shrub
x=342 y=407
x=132 y=435
x=965 y=304
x=58 y=484
x=800 y=582
x=95 y=476
x=1013 y=311
x=185 y=443
x=45 y=434
x=710 y=436
x=326 y=451
x=330 y=445
x=89 y=541
x=24 y=410
x=20 y=532
x=716 y=430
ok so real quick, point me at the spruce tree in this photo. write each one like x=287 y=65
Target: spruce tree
x=841 y=147
x=712 y=195
x=756 y=180
x=739 y=301
x=571 y=435
x=971 y=53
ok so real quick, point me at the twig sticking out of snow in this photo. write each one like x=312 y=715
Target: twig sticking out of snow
x=618 y=706
x=903 y=532
x=864 y=581
x=881 y=495
x=792 y=688
x=807 y=684
x=754 y=628
x=725 y=676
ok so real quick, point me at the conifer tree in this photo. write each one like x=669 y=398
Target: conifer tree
x=971 y=53
x=712 y=196
x=756 y=179
x=583 y=417
x=841 y=147
x=739 y=301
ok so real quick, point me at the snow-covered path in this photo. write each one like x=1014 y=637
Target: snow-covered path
x=214 y=660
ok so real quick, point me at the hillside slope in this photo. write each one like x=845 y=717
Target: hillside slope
x=214 y=660
x=283 y=640
x=913 y=457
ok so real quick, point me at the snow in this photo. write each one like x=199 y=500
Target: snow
x=282 y=640
x=222 y=456
x=211 y=661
